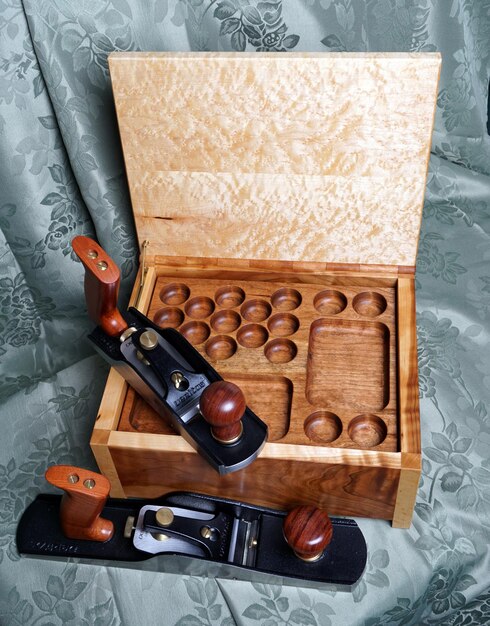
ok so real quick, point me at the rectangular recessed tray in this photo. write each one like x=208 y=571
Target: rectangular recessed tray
x=348 y=364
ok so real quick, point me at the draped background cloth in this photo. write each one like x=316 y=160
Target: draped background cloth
x=61 y=174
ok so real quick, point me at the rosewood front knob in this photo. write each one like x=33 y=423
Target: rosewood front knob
x=81 y=505
x=222 y=404
x=308 y=531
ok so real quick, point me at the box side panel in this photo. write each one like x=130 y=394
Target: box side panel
x=408 y=385
x=143 y=286
x=99 y=444
x=282 y=483
x=112 y=402
x=280 y=271
x=407 y=490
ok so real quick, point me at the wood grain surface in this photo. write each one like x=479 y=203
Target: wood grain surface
x=308 y=531
x=277 y=156
x=408 y=367
x=348 y=364
x=300 y=350
x=343 y=482
x=222 y=404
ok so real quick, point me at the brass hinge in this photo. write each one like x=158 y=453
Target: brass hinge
x=144 y=270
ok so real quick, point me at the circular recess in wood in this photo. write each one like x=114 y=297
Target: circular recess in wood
x=195 y=332
x=283 y=324
x=175 y=293
x=252 y=336
x=280 y=350
x=256 y=310
x=330 y=302
x=220 y=347
x=169 y=317
x=286 y=299
x=367 y=430
x=199 y=307
x=229 y=296
x=225 y=321
x=369 y=304
x=323 y=427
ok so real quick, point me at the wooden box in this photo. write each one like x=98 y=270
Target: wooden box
x=278 y=200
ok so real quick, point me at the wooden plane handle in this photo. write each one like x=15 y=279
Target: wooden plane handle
x=85 y=496
x=222 y=404
x=308 y=531
x=101 y=285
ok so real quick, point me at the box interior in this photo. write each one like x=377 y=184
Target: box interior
x=317 y=362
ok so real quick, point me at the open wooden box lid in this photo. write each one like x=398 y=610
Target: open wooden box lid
x=277 y=156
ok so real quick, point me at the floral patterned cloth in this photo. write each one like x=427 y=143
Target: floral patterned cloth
x=61 y=174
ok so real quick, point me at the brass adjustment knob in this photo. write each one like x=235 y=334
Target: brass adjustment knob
x=149 y=339
x=164 y=516
x=127 y=333
x=206 y=532
x=180 y=381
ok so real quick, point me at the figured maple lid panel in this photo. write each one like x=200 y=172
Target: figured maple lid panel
x=277 y=156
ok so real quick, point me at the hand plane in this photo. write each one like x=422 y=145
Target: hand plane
x=168 y=372
x=192 y=533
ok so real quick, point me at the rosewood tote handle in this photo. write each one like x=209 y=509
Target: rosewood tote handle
x=102 y=279
x=81 y=505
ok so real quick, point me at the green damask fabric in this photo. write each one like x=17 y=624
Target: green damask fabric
x=62 y=174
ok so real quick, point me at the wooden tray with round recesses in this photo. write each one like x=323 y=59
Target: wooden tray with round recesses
x=313 y=361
